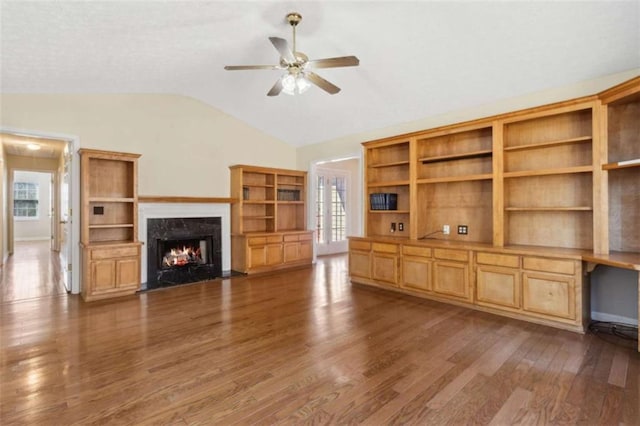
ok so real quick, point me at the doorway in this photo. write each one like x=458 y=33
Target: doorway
x=35 y=233
x=336 y=204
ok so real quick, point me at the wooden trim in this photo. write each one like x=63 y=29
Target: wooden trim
x=621 y=90
x=570 y=105
x=178 y=199
x=96 y=153
x=259 y=169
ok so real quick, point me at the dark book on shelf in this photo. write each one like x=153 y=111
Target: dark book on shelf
x=383 y=201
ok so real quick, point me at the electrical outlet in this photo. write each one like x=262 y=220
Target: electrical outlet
x=463 y=229
x=393 y=227
x=400 y=226
x=446 y=230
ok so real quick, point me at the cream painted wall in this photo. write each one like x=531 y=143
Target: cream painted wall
x=349 y=144
x=186 y=145
x=40 y=228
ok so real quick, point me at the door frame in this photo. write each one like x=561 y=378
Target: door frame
x=334 y=246
x=356 y=211
x=74 y=142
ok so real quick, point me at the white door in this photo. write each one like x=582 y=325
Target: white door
x=331 y=211
x=65 y=219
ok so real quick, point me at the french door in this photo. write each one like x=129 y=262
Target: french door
x=331 y=211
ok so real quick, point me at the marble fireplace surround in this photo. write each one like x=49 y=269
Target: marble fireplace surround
x=164 y=210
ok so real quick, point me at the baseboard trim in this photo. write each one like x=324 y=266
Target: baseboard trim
x=605 y=317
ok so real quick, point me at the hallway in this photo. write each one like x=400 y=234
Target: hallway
x=32 y=271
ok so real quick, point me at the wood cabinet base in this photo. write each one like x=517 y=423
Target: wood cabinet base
x=272 y=251
x=531 y=284
x=110 y=270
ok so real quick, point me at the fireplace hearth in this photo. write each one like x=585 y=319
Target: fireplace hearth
x=183 y=250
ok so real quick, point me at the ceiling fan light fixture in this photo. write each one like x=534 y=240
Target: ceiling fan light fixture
x=295 y=85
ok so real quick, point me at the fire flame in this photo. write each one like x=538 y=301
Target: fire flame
x=182 y=257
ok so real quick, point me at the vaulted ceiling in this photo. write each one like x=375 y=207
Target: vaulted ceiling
x=417 y=59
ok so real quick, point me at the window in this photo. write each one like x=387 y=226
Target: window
x=25 y=200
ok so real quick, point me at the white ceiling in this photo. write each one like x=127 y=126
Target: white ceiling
x=417 y=59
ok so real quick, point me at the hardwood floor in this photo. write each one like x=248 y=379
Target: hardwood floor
x=303 y=346
x=32 y=271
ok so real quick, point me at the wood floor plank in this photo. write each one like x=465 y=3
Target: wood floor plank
x=297 y=347
x=513 y=409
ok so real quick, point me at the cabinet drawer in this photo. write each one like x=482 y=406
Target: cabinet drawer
x=566 y=267
x=113 y=253
x=305 y=237
x=385 y=248
x=416 y=251
x=507 y=260
x=360 y=245
x=257 y=241
x=260 y=241
x=289 y=238
x=449 y=254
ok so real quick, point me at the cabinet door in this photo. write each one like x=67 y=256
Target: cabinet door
x=549 y=294
x=291 y=252
x=451 y=279
x=385 y=268
x=127 y=273
x=103 y=276
x=257 y=256
x=274 y=254
x=306 y=250
x=360 y=264
x=416 y=273
x=498 y=287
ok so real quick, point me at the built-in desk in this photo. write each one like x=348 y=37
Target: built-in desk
x=617 y=260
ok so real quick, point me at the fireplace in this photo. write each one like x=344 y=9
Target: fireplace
x=183 y=250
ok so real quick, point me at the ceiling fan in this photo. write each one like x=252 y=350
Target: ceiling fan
x=299 y=75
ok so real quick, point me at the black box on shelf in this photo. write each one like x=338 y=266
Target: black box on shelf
x=383 y=201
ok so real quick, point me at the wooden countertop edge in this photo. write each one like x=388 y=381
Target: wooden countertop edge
x=617 y=259
x=169 y=199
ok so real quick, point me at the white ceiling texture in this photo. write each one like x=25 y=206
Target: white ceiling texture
x=417 y=59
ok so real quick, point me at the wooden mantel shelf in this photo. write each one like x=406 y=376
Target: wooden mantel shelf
x=164 y=199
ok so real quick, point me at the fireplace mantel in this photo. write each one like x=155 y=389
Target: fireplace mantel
x=178 y=199
x=168 y=209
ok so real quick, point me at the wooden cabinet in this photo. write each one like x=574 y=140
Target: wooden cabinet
x=537 y=190
x=548 y=162
x=549 y=286
x=256 y=252
x=268 y=222
x=384 y=263
x=298 y=247
x=111 y=271
x=360 y=259
x=109 y=224
x=498 y=280
x=620 y=121
x=454 y=181
x=387 y=172
x=451 y=273
x=416 y=268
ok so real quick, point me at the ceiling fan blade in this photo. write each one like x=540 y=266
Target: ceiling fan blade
x=282 y=47
x=252 y=67
x=276 y=89
x=342 y=61
x=322 y=83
